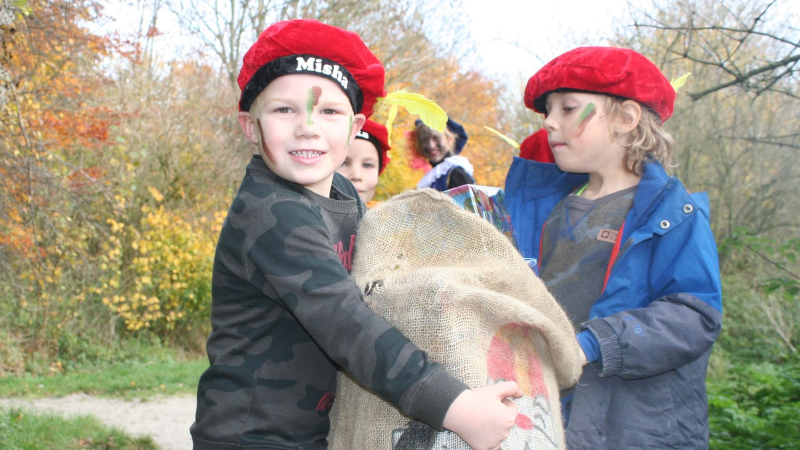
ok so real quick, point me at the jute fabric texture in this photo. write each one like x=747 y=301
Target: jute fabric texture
x=456 y=287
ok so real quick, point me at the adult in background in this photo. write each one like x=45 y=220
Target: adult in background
x=442 y=151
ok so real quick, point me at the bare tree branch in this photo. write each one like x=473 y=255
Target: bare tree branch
x=746 y=76
x=714 y=36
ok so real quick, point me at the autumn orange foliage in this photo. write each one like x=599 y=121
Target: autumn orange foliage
x=49 y=113
x=116 y=170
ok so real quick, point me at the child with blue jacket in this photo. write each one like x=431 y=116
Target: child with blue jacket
x=625 y=249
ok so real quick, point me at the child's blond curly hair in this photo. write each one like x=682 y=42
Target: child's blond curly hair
x=647 y=142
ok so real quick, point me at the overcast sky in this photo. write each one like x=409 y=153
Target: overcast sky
x=519 y=36
x=513 y=38
x=548 y=27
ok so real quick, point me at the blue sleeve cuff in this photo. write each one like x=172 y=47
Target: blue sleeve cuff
x=589 y=345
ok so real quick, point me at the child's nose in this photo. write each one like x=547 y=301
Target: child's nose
x=550 y=123
x=306 y=127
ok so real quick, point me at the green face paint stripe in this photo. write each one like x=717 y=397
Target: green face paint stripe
x=350 y=131
x=585 y=117
x=310 y=106
x=585 y=113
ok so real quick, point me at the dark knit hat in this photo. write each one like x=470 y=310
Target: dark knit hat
x=313 y=48
x=536 y=147
x=606 y=70
x=378 y=135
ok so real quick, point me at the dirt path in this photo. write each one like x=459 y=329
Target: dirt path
x=166 y=419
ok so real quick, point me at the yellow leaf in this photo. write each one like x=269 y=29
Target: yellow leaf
x=156 y=195
x=680 y=81
x=390 y=122
x=510 y=141
x=428 y=111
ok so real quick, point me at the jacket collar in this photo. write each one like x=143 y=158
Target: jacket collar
x=551 y=179
x=547 y=179
x=443 y=168
x=654 y=180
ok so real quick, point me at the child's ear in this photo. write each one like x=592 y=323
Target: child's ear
x=631 y=115
x=248 y=127
x=358 y=121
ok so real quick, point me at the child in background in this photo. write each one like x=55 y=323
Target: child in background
x=285 y=313
x=625 y=249
x=442 y=150
x=366 y=159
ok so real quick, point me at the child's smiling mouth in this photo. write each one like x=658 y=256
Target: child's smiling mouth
x=306 y=153
x=307 y=156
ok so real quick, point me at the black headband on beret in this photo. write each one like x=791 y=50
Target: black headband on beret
x=374 y=140
x=302 y=65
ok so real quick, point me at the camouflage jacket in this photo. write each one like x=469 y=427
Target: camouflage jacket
x=285 y=314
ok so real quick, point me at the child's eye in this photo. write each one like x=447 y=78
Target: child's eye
x=329 y=111
x=283 y=110
x=368 y=165
x=568 y=109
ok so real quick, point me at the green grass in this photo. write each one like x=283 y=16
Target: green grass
x=127 y=380
x=20 y=429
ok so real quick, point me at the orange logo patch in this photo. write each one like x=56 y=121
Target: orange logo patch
x=607 y=235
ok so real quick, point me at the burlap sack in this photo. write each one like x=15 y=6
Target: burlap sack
x=458 y=289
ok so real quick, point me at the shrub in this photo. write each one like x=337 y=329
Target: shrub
x=160 y=273
x=756 y=406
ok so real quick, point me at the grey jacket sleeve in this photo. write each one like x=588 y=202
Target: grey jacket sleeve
x=292 y=258
x=685 y=318
x=669 y=333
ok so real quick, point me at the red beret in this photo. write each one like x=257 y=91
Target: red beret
x=606 y=70
x=379 y=136
x=282 y=41
x=537 y=147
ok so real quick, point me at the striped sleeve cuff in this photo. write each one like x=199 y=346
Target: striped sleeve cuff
x=433 y=398
x=610 y=351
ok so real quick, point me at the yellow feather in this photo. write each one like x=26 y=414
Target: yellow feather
x=511 y=142
x=428 y=111
x=390 y=121
x=680 y=81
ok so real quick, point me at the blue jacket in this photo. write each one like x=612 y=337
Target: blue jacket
x=650 y=332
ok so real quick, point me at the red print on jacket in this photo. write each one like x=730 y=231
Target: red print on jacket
x=346 y=256
x=326 y=402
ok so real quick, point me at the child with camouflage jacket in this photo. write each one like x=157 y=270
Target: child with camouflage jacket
x=285 y=314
